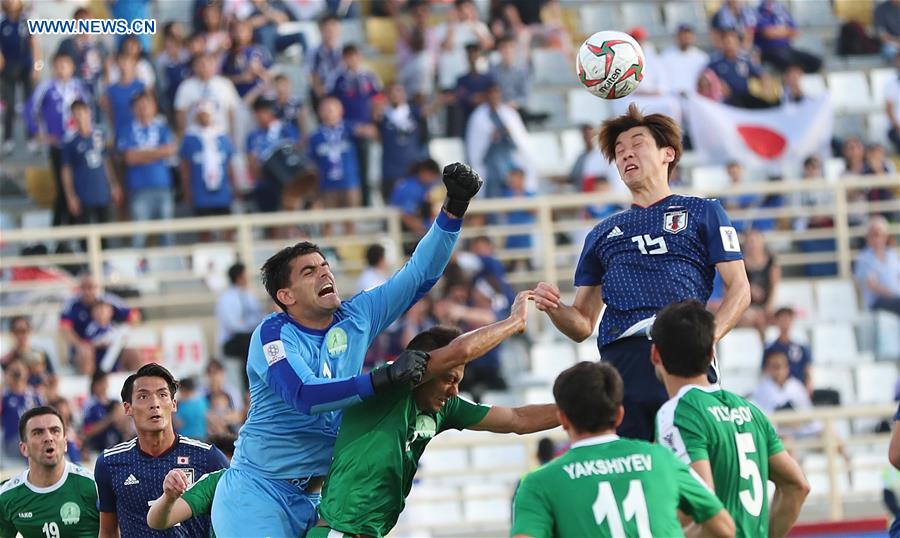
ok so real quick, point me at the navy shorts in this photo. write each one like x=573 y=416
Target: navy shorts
x=644 y=393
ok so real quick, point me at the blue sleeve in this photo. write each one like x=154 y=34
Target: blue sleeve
x=290 y=376
x=66 y=154
x=125 y=141
x=229 y=148
x=384 y=304
x=590 y=270
x=755 y=69
x=719 y=236
x=165 y=135
x=216 y=461
x=249 y=143
x=106 y=495
x=184 y=152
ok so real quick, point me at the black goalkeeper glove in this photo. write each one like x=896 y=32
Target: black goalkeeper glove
x=408 y=369
x=462 y=184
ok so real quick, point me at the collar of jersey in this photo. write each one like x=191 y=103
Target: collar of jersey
x=597 y=440
x=684 y=390
x=51 y=487
x=656 y=203
x=164 y=453
x=310 y=330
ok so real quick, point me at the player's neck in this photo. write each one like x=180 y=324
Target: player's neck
x=319 y=323
x=44 y=477
x=650 y=193
x=674 y=383
x=155 y=443
x=576 y=436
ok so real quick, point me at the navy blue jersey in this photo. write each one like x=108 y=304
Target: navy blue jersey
x=85 y=154
x=77 y=315
x=647 y=257
x=128 y=480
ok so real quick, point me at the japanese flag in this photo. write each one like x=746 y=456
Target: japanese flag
x=770 y=138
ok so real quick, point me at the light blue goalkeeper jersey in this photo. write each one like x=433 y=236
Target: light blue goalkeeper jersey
x=300 y=378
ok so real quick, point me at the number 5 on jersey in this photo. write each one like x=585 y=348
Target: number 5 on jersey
x=650 y=245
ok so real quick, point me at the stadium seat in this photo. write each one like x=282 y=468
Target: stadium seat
x=550 y=358
x=837 y=300
x=381 y=33
x=646 y=14
x=549 y=102
x=855 y=10
x=385 y=67
x=878 y=79
x=552 y=67
x=543 y=147
x=352 y=31
x=184 y=349
x=538 y=395
x=849 y=91
x=490 y=456
x=436 y=460
x=835 y=378
x=597 y=16
x=571 y=145
x=447 y=150
x=798 y=334
x=808 y=14
x=740 y=381
x=76 y=389
x=815 y=466
x=875 y=382
x=495 y=509
x=586 y=108
x=812 y=43
x=212 y=263
x=741 y=348
x=51 y=344
x=877 y=126
x=866 y=471
x=38 y=218
x=813 y=84
x=709 y=177
x=433 y=513
x=677 y=13
x=797 y=294
x=834 y=343
x=887 y=327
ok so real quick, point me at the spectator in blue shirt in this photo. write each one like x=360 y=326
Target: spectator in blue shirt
x=190 y=417
x=19 y=49
x=173 y=65
x=471 y=88
x=131 y=10
x=265 y=18
x=357 y=88
x=246 y=64
x=97 y=419
x=89 y=54
x=289 y=108
x=146 y=147
x=411 y=196
x=401 y=138
x=515 y=188
x=271 y=134
x=17 y=398
x=333 y=149
x=735 y=67
x=87 y=176
x=325 y=60
x=206 y=177
x=118 y=98
x=734 y=15
x=799 y=358
x=775 y=29
x=877 y=270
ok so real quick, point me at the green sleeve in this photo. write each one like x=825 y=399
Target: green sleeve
x=460 y=413
x=694 y=497
x=531 y=513
x=6 y=527
x=200 y=495
x=772 y=439
x=680 y=428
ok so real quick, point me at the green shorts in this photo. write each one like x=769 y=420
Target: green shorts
x=326 y=532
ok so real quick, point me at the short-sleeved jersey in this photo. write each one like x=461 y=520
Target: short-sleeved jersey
x=334 y=152
x=67 y=509
x=154 y=174
x=606 y=487
x=301 y=377
x=209 y=182
x=706 y=423
x=199 y=495
x=128 y=480
x=645 y=258
x=77 y=315
x=85 y=155
x=379 y=445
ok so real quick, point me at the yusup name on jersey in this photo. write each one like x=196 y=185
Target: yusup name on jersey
x=634 y=463
x=738 y=415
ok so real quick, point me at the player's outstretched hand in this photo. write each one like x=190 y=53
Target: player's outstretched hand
x=407 y=369
x=175 y=484
x=462 y=184
x=546 y=296
x=519 y=310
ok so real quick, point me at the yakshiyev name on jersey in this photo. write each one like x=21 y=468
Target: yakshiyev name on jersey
x=634 y=463
x=738 y=415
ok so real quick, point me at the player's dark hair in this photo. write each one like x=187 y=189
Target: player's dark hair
x=263 y=103
x=276 y=272
x=662 y=128
x=328 y=18
x=374 y=254
x=18 y=319
x=683 y=334
x=590 y=394
x=187 y=384
x=149 y=370
x=784 y=310
x=546 y=449
x=37 y=412
x=281 y=76
x=433 y=338
x=225 y=443
x=235 y=272
x=349 y=49
x=78 y=103
x=426 y=165
x=98 y=376
x=140 y=96
x=63 y=56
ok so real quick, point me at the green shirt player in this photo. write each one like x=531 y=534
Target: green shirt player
x=53 y=498
x=604 y=486
x=181 y=501
x=727 y=440
x=380 y=443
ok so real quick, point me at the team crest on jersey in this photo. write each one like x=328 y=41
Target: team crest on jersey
x=426 y=427
x=675 y=221
x=274 y=352
x=336 y=342
x=70 y=513
x=188 y=472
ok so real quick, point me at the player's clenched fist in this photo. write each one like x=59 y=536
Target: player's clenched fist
x=546 y=296
x=519 y=310
x=407 y=369
x=175 y=484
x=462 y=184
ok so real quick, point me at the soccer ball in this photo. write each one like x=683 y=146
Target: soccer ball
x=610 y=64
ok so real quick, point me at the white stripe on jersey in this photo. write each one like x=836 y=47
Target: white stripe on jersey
x=122 y=447
x=667 y=434
x=79 y=470
x=194 y=442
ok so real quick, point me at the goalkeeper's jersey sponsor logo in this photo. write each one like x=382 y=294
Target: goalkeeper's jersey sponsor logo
x=336 y=342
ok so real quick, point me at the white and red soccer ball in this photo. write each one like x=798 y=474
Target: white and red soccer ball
x=610 y=64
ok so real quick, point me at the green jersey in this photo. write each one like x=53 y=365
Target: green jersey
x=376 y=456
x=707 y=423
x=67 y=508
x=609 y=487
x=199 y=495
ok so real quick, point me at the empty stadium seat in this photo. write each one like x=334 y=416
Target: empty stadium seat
x=552 y=67
x=309 y=29
x=837 y=300
x=877 y=125
x=813 y=84
x=447 y=150
x=887 y=329
x=586 y=108
x=798 y=334
x=51 y=344
x=645 y=14
x=571 y=144
x=492 y=455
x=875 y=381
x=76 y=389
x=549 y=102
x=544 y=150
x=834 y=377
x=797 y=294
x=597 y=16
x=849 y=90
x=538 y=395
x=433 y=513
x=677 y=13
x=879 y=79
x=709 y=177
x=740 y=348
x=815 y=466
x=739 y=381
x=212 y=263
x=37 y=218
x=834 y=343
x=808 y=13
x=550 y=358
x=490 y=510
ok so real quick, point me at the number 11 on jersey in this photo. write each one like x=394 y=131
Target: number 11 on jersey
x=634 y=507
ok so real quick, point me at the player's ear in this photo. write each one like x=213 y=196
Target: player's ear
x=563 y=420
x=127 y=407
x=23 y=449
x=285 y=296
x=620 y=415
x=654 y=355
x=668 y=154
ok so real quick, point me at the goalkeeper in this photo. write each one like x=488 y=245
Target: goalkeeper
x=380 y=443
x=304 y=366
